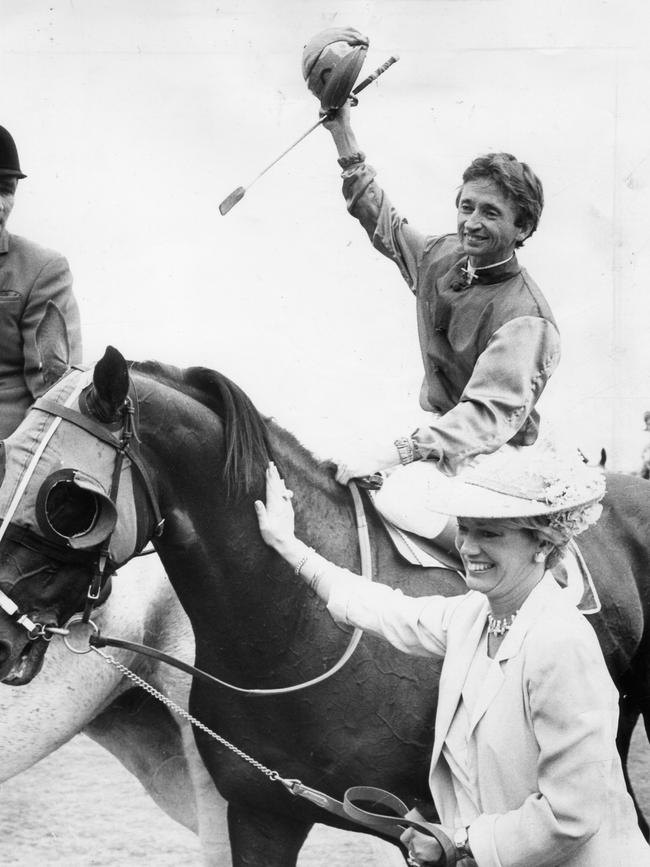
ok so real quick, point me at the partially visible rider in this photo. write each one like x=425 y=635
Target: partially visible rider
x=31 y=276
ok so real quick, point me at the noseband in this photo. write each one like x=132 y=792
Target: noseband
x=97 y=559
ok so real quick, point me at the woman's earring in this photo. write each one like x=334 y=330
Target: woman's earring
x=539 y=557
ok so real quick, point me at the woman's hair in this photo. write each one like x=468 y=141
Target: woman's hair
x=517 y=182
x=558 y=528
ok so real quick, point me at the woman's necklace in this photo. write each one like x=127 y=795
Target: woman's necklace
x=500 y=625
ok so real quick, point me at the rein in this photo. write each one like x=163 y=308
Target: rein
x=97 y=640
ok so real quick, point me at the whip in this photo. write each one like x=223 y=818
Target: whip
x=238 y=194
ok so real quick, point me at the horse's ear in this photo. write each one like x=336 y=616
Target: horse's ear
x=52 y=344
x=110 y=386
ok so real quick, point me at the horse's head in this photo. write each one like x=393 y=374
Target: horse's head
x=69 y=507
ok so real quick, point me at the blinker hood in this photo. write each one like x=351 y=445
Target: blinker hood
x=73 y=507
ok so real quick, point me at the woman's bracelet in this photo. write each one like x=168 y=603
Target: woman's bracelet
x=303 y=561
x=311 y=581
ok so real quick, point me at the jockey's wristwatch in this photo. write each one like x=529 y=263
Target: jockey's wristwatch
x=461 y=842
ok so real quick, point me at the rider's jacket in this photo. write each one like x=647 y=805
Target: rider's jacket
x=489 y=343
x=30 y=276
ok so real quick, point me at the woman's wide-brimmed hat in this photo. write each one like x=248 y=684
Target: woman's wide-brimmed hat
x=519 y=483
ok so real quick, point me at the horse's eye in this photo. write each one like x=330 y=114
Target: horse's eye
x=71 y=511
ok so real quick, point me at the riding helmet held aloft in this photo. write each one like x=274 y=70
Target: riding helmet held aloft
x=331 y=62
x=9 y=164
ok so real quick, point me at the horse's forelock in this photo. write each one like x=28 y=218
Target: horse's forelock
x=247 y=449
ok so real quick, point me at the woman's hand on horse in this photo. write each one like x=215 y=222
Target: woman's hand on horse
x=275 y=517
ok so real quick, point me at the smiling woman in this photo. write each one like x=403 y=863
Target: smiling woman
x=524 y=766
x=499 y=560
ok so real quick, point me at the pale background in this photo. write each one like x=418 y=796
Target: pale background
x=135 y=118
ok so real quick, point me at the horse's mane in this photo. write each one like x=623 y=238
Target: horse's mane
x=248 y=449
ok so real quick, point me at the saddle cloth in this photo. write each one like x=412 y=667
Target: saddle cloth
x=571 y=573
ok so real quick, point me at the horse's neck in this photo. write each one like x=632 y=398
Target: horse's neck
x=235 y=589
x=324 y=509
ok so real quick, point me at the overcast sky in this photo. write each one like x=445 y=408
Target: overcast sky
x=135 y=118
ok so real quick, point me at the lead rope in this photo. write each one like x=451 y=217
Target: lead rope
x=348 y=808
x=389 y=825
x=168 y=702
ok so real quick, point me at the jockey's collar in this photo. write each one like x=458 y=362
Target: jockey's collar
x=487 y=274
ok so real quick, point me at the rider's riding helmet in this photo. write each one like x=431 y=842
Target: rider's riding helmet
x=331 y=62
x=9 y=163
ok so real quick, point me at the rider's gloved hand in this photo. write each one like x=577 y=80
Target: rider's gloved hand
x=370 y=458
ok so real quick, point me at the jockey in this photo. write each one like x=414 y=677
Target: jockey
x=488 y=338
x=30 y=278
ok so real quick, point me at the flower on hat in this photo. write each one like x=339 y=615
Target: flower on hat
x=574 y=521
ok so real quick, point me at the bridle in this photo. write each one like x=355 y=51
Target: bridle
x=97 y=559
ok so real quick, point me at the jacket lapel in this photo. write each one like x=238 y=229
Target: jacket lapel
x=530 y=612
x=454 y=672
x=491 y=686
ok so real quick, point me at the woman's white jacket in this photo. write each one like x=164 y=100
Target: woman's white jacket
x=543 y=732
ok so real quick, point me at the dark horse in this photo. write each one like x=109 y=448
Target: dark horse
x=204 y=449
